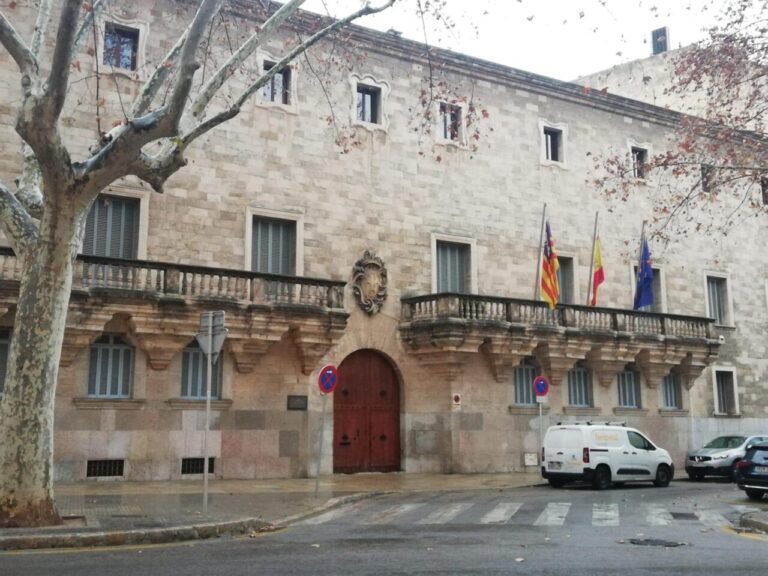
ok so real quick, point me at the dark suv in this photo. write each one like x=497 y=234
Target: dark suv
x=752 y=472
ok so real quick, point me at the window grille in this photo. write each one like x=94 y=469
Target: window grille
x=671 y=391
x=195 y=465
x=629 y=389
x=104 y=468
x=524 y=375
x=579 y=386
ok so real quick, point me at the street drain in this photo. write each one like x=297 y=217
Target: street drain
x=684 y=516
x=656 y=542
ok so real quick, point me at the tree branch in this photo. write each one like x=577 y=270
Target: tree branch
x=19 y=51
x=58 y=80
x=43 y=15
x=17 y=223
x=153 y=84
x=241 y=55
x=234 y=110
x=86 y=25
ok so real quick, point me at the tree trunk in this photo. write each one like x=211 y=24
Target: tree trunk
x=27 y=408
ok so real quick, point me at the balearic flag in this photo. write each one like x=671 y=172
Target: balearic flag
x=644 y=290
x=550 y=287
x=598 y=276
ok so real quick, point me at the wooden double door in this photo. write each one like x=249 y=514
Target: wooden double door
x=366 y=415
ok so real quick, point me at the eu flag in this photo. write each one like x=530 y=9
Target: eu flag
x=644 y=291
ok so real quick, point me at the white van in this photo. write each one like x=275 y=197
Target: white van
x=601 y=454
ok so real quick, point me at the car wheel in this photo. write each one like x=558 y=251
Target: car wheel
x=754 y=494
x=556 y=483
x=663 y=476
x=602 y=478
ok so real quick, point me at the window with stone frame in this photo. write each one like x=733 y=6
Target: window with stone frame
x=368 y=104
x=524 y=375
x=553 y=144
x=639 y=161
x=565 y=277
x=726 y=395
x=671 y=392
x=273 y=249
x=450 y=122
x=628 y=382
x=278 y=88
x=453 y=267
x=110 y=370
x=194 y=374
x=121 y=46
x=5 y=352
x=717 y=300
x=112 y=227
x=580 y=386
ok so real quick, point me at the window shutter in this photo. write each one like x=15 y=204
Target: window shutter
x=273 y=246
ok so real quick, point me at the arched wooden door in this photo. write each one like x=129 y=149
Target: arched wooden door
x=366 y=415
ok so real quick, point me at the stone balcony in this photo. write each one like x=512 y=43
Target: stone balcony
x=442 y=329
x=159 y=306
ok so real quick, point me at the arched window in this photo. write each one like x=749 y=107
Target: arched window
x=110 y=374
x=194 y=373
x=629 y=387
x=580 y=386
x=524 y=375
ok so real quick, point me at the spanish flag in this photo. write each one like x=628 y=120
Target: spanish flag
x=550 y=287
x=598 y=276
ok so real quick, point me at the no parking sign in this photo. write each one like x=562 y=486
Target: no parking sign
x=328 y=379
x=541 y=388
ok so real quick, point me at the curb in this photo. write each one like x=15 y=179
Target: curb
x=754 y=520
x=127 y=537
x=332 y=503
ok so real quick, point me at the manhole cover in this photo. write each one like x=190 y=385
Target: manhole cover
x=656 y=542
x=684 y=516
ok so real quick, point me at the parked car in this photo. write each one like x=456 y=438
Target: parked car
x=602 y=454
x=720 y=456
x=752 y=472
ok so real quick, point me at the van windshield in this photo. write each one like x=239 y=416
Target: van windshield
x=726 y=442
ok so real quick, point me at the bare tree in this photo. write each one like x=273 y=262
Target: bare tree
x=44 y=217
x=715 y=171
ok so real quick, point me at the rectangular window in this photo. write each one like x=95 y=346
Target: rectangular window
x=629 y=389
x=196 y=465
x=453 y=267
x=579 y=387
x=368 y=103
x=278 y=88
x=639 y=160
x=104 y=468
x=121 y=45
x=450 y=122
x=566 y=280
x=5 y=351
x=194 y=375
x=273 y=249
x=660 y=40
x=112 y=227
x=553 y=141
x=671 y=392
x=725 y=389
x=524 y=375
x=717 y=299
x=110 y=372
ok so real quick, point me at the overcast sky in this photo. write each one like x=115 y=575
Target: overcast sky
x=562 y=39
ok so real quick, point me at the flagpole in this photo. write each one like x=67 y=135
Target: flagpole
x=537 y=285
x=592 y=262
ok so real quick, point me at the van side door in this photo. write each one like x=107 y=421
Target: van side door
x=642 y=455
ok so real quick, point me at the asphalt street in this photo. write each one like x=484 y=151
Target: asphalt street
x=690 y=527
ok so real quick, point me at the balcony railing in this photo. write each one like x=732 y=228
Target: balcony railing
x=190 y=282
x=529 y=313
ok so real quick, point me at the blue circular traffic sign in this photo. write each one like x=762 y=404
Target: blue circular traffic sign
x=541 y=385
x=328 y=379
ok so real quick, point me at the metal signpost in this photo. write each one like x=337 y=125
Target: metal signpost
x=210 y=336
x=541 y=389
x=327 y=381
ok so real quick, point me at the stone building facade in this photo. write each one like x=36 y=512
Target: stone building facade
x=407 y=258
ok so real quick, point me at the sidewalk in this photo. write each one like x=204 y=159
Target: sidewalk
x=116 y=513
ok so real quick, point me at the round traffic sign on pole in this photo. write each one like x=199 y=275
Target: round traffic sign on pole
x=328 y=379
x=541 y=386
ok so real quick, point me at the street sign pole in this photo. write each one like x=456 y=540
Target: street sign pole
x=541 y=389
x=320 y=448
x=208 y=379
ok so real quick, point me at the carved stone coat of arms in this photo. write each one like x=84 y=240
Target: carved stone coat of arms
x=369 y=282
